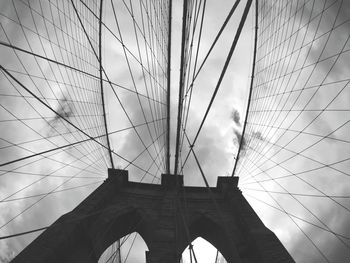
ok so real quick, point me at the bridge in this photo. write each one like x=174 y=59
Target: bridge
x=255 y=93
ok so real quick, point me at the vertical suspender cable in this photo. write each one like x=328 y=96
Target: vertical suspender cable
x=101 y=83
x=241 y=143
x=222 y=74
x=103 y=103
x=181 y=85
x=168 y=90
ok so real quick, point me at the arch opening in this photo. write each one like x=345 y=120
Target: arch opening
x=213 y=233
x=132 y=249
x=204 y=252
x=123 y=226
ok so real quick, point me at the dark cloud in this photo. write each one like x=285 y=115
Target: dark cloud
x=236 y=117
x=237 y=139
x=257 y=135
x=64 y=112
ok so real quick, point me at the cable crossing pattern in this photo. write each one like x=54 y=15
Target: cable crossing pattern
x=149 y=86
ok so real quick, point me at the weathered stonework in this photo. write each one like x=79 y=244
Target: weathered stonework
x=167 y=216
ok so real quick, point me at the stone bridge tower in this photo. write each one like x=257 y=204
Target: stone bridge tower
x=167 y=216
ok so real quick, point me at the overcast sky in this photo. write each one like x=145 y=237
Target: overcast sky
x=218 y=142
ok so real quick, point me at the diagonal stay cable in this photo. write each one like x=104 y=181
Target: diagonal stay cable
x=101 y=69
x=75 y=219
x=121 y=104
x=207 y=185
x=314 y=93
x=62 y=117
x=215 y=41
x=127 y=49
x=189 y=63
x=297 y=217
x=302 y=204
x=41 y=95
x=48 y=106
x=195 y=65
x=65 y=133
x=67 y=145
x=299 y=153
x=49 y=175
x=297 y=225
x=71 y=68
x=49 y=193
x=131 y=73
x=297 y=194
x=52 y=175
x=101 y=84
x=233 y=46
x=301 y=172
x=250 y=89
x=301 y=179
x=141 y=60
x=302 y=132
x=36 y=202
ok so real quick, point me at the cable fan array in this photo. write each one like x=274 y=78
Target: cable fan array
x=83 y=89
x=85 y=86
x=294 y=158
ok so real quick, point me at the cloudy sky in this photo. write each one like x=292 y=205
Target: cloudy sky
x=297 y=129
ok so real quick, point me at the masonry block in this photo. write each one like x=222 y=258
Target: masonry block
x=227 y=183
x=118 y=177
x=170 y=181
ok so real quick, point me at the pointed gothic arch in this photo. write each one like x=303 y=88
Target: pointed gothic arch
x=130 y=248
x=212 y=231
x=204 y=251
x=116 y=223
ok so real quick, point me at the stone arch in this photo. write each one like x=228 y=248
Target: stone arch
x=113 y=225
x=133 y=248
x=119 y=207
x=204 y=252
x=210 y=230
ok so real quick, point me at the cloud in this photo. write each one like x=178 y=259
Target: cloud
x=236 y=117
x=58 y=123
x=333 y=248
x=257 y=135
x=238 y=137
x=220 y=137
